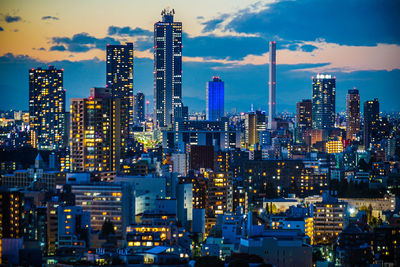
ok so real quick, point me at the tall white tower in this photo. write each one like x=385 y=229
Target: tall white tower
x=272 y=83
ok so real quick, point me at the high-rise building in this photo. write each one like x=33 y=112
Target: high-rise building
x=215 y=99
x=323 y=102
x=138 y=108
x=303 y=118
x=119 y=78
x=167 y=69
x=47 y=108
x=254 y=124
x=272 y=83
x=352 y=114
x=95 y=135
x=371 y=120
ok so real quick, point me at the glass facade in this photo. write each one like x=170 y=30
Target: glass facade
x=323 y=102
x=215 y=99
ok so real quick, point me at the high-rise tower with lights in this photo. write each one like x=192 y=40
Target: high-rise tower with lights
x=352 y=114
x=324 y=101
x=47 y=108
x=167 y=69
x=272 y=83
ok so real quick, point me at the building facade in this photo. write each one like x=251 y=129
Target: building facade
x=47 y=108
x=167 y=69
x=352 y=114
x=138 y=109
x=323 y=101
x=215 y=99
x=371 y=120
x=119 y=78
x=303 y=118
x=95 y=134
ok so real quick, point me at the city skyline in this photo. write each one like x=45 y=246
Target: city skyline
x=273 y=137
x=234 y=51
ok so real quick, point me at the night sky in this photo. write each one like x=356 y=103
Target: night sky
x=358 y=41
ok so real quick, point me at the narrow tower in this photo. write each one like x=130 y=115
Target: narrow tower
x=272 y=83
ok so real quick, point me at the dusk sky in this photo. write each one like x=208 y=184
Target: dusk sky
x=358 y=41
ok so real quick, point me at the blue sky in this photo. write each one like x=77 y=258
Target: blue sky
x=358 y=41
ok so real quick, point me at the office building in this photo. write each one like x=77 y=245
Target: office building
x=272 y=83
x=323 y=101
x=138 y=109
x=352 y=114
x=106 y=201
x=119 y=78
x=167 y=69
x=215 y=99
x=254 y=124
x=47 y=108
x=95 y=135
x=371 y=121
x=303 y=118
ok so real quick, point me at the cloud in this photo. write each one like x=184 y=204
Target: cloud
x=212 y=24
x=50 y=18
x=244 y=84
x=58 y=48
x=11 y=19
x=356 y=22
x=83 y=42
x=128 y=31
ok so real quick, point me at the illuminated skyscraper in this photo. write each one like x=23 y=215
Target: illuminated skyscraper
x=138 y=108
x=323 y=102
x=47 y=108
x=215 y=99
x=371 y=120
x=167 y=69
x=254 y=124
x=95 y=134
x=272 y=83
x=120 y=80
x=352 y=114
x=303 y=118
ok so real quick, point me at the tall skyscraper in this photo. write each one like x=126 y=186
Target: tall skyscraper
x=352 y=114
x=371 y=120
x=95 y=134
x=323 y=102
x=303 y=118
x=215 y=99
x=272 y=83
x=47 y=108
x=138 y=108
x=167 y=69
x=119 y=78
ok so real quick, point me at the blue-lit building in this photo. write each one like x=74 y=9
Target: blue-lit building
x=167 y=69
x=215 y=99
x=323 y=101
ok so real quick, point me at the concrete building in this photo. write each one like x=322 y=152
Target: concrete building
x=106 y=201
